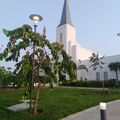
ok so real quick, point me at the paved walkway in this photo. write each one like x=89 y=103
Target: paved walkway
x=21 y=106
x=113 y=113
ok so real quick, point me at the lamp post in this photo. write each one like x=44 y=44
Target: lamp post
x=103 y=111
x=1 y=46
x=118 y=34
x=35 y=18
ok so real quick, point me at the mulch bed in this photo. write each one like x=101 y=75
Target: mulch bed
x=7 y=89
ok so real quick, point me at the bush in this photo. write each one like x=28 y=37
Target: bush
x=91 y=83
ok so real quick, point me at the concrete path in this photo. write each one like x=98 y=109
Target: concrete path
x=21 y=106
x=113 y=113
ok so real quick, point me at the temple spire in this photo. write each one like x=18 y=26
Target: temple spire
x=66 y=17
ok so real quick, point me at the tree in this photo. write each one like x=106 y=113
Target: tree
x=97 y=63
x=81 y=66
x=3 y=76
x=45 y=55
x=115 y=66
x=6 y=77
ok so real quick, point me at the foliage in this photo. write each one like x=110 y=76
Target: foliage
x=91 y=83
x=3 y=75
x=82 y=67
x=43 y=56
x=6 y=77
x=115 y=66
x=96 y=61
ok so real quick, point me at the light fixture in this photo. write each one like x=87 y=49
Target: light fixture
x=118 y=34
x=1 y=46
x=35 y=18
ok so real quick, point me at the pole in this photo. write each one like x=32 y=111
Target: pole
x=31 y=81
x=103 y=111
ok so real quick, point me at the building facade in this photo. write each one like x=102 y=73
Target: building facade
x=98 y=74
x=66 y=34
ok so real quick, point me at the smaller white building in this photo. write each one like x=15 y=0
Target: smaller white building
x=107 y=74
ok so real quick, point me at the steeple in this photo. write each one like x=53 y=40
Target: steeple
x=66 y=17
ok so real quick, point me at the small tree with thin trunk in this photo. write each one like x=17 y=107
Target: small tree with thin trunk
x=96 y=62
x=45 y=57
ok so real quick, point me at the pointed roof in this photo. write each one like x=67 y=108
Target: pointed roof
x=66 y=17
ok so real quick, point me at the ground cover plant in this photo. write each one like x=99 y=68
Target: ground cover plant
x=55 y=104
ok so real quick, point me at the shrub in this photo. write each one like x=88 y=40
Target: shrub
x=91 y=83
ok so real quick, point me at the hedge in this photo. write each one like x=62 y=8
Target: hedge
x=91 y=83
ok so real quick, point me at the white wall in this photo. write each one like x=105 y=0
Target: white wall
x=68 y=36
x=91 y=75
x=62 y=29
x=80 y=53
x=71 y=34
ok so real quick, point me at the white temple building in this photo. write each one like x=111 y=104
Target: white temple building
x=66 y=34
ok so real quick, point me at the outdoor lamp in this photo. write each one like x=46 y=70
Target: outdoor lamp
x=1 y=46
x=35 y=18
x=103 y=111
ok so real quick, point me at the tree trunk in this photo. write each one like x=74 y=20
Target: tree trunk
x=103 y=84
x=31 y=82
x=116 y=83
x=37 y=98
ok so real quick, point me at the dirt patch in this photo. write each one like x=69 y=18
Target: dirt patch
x=39 y=111
x=7 y=89
x=102 y=93
x=13 y=89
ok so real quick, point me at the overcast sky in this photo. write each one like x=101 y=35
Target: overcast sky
x=97 y=22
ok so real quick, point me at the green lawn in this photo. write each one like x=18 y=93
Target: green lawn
x=57 y=103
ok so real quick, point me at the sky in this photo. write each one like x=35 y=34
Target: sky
x=97 y=22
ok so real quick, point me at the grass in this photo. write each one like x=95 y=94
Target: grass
x=57 y=103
